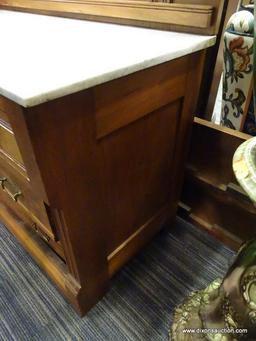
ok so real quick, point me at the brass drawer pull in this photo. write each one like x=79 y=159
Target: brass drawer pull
x=10 y=189
x=40 y=233
x=2 y=181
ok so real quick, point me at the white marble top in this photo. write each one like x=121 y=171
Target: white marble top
x=45 y=57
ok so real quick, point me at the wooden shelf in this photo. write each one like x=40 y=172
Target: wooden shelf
x=233 y=191
x=218 y=232
x=211 y=197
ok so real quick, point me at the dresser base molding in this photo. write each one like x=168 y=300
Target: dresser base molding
x=47 y=259
x=57 y=270
x=54 y=267
x=141 y=237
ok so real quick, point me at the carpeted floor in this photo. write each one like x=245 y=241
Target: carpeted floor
x=138 y=306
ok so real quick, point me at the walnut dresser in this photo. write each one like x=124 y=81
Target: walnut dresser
x=94 y=123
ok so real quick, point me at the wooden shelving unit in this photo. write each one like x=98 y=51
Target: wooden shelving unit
x=211 y=197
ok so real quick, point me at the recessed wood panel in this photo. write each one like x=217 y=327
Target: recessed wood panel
x=144 y=152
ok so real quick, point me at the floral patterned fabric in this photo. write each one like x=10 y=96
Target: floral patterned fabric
x=238 y=69
x=226 y=309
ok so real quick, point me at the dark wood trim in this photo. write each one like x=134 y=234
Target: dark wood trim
x=141 y=13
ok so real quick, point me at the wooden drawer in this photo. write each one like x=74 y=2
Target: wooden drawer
x=17 y=188
x=8 y=144
x=23 y=218
x=5 y=105
x=4 y=118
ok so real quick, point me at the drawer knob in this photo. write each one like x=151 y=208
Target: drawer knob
x=2 y=181
x=10 y=189
x=41 y=234
x=15 y=195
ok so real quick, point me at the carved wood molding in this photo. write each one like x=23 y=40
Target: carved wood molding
x=124 y=11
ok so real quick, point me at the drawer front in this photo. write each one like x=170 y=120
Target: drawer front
x=8 y=144
x=23 y=218
x=5 y=104
x=6 y=108
x=17 y=188
x=4 y=118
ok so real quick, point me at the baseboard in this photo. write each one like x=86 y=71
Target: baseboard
x=138 y=239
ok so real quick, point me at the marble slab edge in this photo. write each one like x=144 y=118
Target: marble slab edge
x=106 y=77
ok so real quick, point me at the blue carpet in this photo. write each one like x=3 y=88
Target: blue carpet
x=138 y=306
